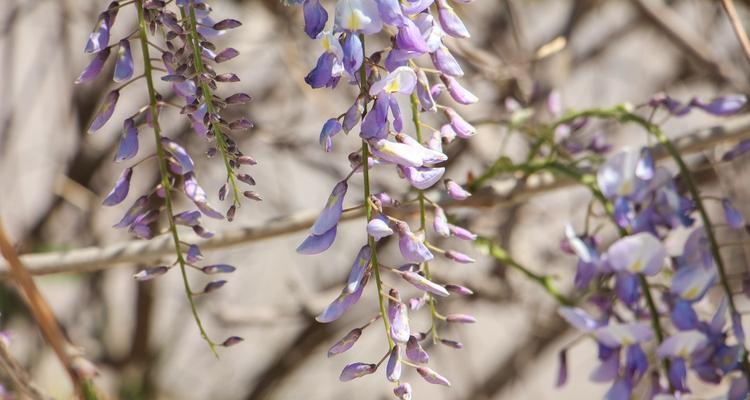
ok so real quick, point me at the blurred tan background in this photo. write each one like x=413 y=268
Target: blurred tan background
x=53 y=176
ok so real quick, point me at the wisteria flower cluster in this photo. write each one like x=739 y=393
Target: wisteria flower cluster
x=181 y=35
x=640 y=304
x=416 y=32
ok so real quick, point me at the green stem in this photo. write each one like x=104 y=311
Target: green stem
x=423 y=219
x=368 y=205
x=163 y=171
x=544 y=281
x=208 y=99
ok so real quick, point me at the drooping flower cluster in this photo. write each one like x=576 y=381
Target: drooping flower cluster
x=644 y=298
x=182 y=34
x=416 y=30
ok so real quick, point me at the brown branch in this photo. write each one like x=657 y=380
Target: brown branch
x=40 y=309
x=20 y=378
x=98 y=258
x=685 y=37
x=739 y=30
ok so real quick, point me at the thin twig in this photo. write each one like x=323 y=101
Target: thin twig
x=40 y=309
x=739 y=30
x=18 y=375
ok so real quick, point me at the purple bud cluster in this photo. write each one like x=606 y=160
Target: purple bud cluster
x=416 y=32
x=182 y=35
x=643 y=299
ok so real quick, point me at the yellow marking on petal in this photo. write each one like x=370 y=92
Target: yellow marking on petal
x=691 y=294
x=332 y=200
x=392 y=86
x=636 y=266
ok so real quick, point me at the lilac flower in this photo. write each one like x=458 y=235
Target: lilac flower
x=562 y=372
x=445 y=62
x=345 y=343
x=639 y=253
x=458 y=92
x=722 y=106
x=332 y=211
x=617 y=176
x=463 y=129
x=357 y=16
x=218 y=269
x=315 y=18
x=378 y=227
x=424 y=284
x=393 y=368
x=342 y=303
x=736 y=151
x=401 y=80
x=440 y=223
x=193 y=254
x=682 y=344
x=352 y=53
x=360 y=268
x=94 y=68
x=120 y=191
x=691 y=283
x=731 y=215
x=99 y=37
x=460 y=319
x=414 y=352
x=455 y=191
x=150 y=273
x=124 y=64
x=195 y=193
x=398 y=318
x=459 y=257
x=397 y=153
x=450 y=22
x=356 y=370
x=422 y=178
x=459 y=290
x=184 y=162
x=403 y=391
x=330 y=129
x=410 y=38
x=129 y=143
x=412 y=248
x=105 y=111
x=432 y=377
x=315 y=244
x=616 y=334
x=579 y=318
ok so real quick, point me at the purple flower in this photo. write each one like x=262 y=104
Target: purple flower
x=562 y=371
x=731 y=215
x=332 y=211
x=193 y=254
x=393 y=368
x=722 y=106
x=330 y=129
x=120 y=191
x=450 y=22
x=639 y=253
x=356 y=370
x=357 y=16
x=390 y=12
x=623 y=334
x=677 y=375
x=398 y=318
x=231 y=341
x=440 y=223
x=682 y=344
x=579 y=318
x=375 y=123
x=620 y=390
x=150 y=273
x=378 y=227
x=345 y=343
x=342 y=303
x=738 y=150
x=459 y=257
x=184 y=162
x=352 y=116
x=195 y=193
x=352 y=53
x=316 y=17
x=409 y=37
x=316 y=244
x=432 y=377
x=94 y=68
x=218 y=269
x=359 y=269
x=463 y=129
x=617 y=176
x=691 y=283
x=105 y=111
x=403 y=391
x=412 y=248
x=124 y=63
x=460 y=319
x=445 y=62
x=424 y=284
x=455 y=191
x=459 y=290
x=129 y=143
x=414 y=352
x=458 y=92
x=422 y=178
x=397 y=153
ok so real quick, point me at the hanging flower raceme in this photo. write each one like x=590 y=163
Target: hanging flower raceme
x=182 y=34
x=385 y=78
